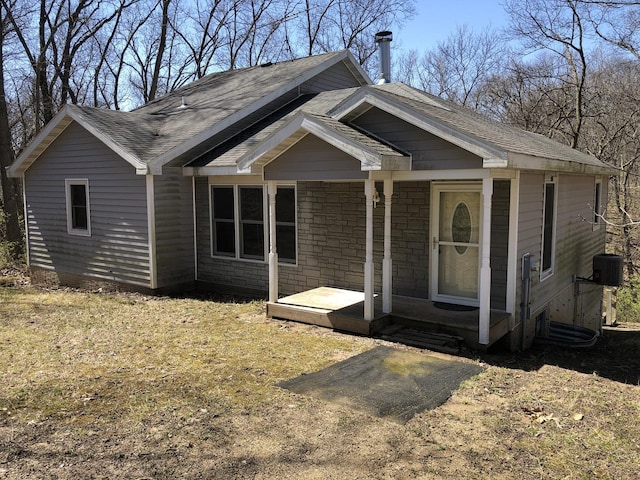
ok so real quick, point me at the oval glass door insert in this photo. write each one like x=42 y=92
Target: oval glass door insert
x=461 y=227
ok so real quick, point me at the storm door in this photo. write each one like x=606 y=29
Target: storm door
x=455 y=264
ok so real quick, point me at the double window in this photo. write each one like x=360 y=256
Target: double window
x=239 y=226
x=78 y=213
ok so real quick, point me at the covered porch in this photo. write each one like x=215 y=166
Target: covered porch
x=447 y=256
x=343 y=310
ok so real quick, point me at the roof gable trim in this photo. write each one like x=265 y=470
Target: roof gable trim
x=54 y=129
x=369 y=96
x=301 y=125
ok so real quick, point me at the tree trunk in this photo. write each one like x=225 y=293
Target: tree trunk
x=10 y=203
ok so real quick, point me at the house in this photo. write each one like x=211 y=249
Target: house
x=304 y=180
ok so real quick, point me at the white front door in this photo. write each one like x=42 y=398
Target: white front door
x=455 y=260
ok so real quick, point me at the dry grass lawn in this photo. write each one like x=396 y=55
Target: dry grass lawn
x=128 y=386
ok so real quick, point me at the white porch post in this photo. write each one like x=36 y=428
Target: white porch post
x=387 y=277
x=369 y=188
x=485 y=264
x=272 y=190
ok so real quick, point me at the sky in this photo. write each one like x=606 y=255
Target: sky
x=438 y=19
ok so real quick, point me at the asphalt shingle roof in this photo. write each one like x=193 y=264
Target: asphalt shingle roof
x=163 y=124
x=499 y=135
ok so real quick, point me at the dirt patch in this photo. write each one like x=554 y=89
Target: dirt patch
x=386 y=382
x=127 y=386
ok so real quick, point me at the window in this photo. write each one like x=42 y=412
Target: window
x=239 y=226
x=549 y=226
x=597 y=204
x=78 y=212
x=286 y=224
x=251 y=223
x=224 y=230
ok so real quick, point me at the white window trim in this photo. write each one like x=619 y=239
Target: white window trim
x=549 y=178
x=67 y=187
x=236 y=206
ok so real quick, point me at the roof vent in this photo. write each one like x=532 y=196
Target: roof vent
x=383 y=39
x=183 y=103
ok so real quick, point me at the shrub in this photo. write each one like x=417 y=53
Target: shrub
x=627 y=304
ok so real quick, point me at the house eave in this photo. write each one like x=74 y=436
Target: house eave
x=528 y=162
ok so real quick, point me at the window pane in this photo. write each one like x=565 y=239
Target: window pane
x=225 y=238
x=78 y=195
x=286 y=205
x=547 y=239
x=251 y=203
x=79 y=218
x=252 y=240
x=596 y=205
x=223 y=203
x=286 y=243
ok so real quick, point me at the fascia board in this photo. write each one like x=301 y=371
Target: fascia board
x=28 y=155
x=370 y=160
x=208 y=171
x=528 y=162
x=230 y=120
x=272 y=141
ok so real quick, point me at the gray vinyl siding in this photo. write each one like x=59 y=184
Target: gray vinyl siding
x=174 y=228
x=336 y=77
x=499 y=242
x=576 y=240
x=117 y=249
x=313 y=159
x=428 y=151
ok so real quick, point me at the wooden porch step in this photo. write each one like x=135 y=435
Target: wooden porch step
x=421 y=339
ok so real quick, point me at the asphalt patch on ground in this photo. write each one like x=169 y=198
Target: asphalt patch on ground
x=386 y=382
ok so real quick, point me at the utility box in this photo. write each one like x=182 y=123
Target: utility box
x=607 y=269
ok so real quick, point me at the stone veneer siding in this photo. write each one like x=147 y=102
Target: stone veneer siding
x=331 y=241
x=331 y=238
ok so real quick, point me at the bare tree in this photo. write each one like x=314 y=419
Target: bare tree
x=557 y=26
x=10 y=191
x=613 y=135
x=616 y=22
x=459 y=67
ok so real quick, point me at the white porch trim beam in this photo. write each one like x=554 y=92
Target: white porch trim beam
x=484 y=289
x=369 y=188
x=387 y=271
x=272 y=191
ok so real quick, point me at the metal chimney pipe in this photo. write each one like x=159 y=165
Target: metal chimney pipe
x=383 y=39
